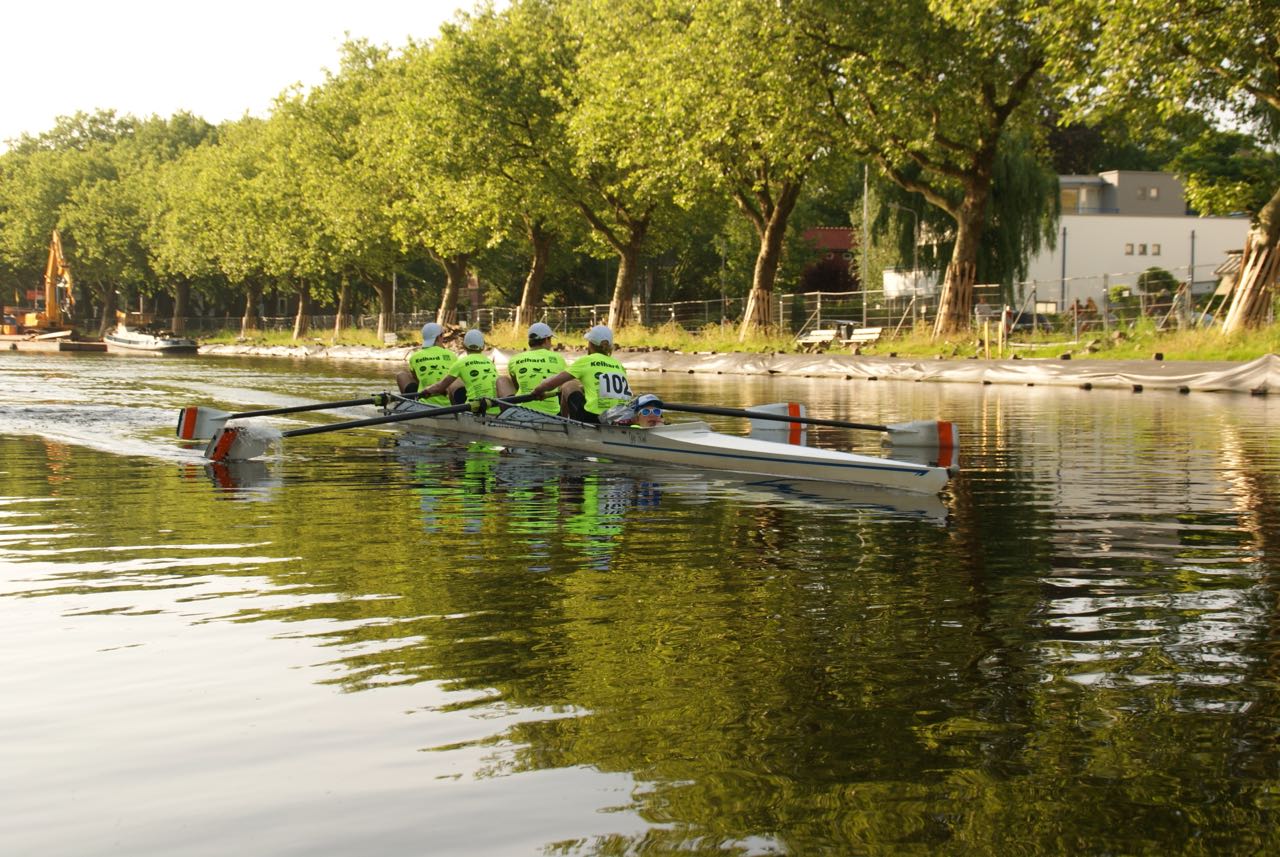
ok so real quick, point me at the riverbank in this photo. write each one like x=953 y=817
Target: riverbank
x=1258 y=377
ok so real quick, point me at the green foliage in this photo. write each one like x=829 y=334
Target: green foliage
x=1227 y=172
x=1155 y=280
x=674 y=134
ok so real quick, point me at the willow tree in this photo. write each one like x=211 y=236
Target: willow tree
x=1154 y=60
x=928 y=89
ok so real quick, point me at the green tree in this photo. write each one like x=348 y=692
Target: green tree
x=724 y=95
x=336 y=129
x=1227 y=172
x=490 y=82
x=1151 y=61
x=928 y=91
x=447 y=215
x=213 y=219
x=627 y=201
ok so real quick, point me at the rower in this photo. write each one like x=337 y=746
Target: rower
x=644 y=411
x=427 y=365
x=472 y=376
x=593 y=383
x=648 y=411
x=529 y=368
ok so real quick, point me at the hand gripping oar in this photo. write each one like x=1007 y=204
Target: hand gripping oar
x=236 y=443
x=931 y=433
x=199 y=423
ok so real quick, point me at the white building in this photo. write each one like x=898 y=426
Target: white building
x=1118 y=224
x=1113 y=227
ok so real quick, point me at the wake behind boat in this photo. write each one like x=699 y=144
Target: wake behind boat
x=125 y=340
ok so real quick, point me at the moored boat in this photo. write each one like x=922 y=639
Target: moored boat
x=124 y=340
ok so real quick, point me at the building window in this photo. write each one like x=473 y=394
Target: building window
x=1142 y=249
x=1155 y=249
x=1142 y=193
x=1153 y=193
x=1128 y=249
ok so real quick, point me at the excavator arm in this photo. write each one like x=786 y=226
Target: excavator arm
x=59 y=296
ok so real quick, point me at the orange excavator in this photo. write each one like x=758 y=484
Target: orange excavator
x=59 y=299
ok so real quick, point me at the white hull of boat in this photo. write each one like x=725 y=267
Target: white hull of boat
x=687 y=444
x=122 y=341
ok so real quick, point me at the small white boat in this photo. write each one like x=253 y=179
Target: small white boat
x=122 y=340
x=685 y=444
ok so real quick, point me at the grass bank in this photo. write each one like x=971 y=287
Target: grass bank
x=1141 y=341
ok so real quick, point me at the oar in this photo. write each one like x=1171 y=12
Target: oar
x=934 y=433
x=196 y=423
x=236 y=443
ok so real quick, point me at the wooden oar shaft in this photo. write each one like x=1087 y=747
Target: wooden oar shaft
x=395 y=418
x=759 y=415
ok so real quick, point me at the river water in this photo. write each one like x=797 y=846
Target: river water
x=375 y=642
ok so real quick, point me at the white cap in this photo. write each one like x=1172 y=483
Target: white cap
x=538 y=330
x=474 y=340
x=430 y=333
x=648 y=400
x=599 y=335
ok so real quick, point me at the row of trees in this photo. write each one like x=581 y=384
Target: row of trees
x=699 y=134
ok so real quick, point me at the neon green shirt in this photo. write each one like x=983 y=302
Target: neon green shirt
x=430 y=365
x=478 y=375
x=530 y=368
x=604 y=381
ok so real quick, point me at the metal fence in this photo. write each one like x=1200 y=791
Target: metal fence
x=1102 y=301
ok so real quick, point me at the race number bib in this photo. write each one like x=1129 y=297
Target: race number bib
x=613 y=386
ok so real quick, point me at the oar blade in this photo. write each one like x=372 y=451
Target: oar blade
x=937 y=434
x=200 y=423
x=777 y=431
x=239 y=443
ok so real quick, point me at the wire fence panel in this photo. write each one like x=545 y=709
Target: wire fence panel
x=1097 y=301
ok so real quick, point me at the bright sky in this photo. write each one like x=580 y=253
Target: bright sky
x=216 y=59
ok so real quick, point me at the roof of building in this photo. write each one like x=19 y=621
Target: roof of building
x=830 y=237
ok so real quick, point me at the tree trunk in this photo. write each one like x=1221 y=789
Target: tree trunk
x=181 y=302
x=531 y=297
x=339 y=318
x=251 y=319
x=624 y=286
x=771 y=225
x=302 y=321
x=955 y=304
x=1259 y=271
x=107 y=322
x=455 y=273
x=385 y=322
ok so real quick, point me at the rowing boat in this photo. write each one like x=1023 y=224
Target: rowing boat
x=684 y=444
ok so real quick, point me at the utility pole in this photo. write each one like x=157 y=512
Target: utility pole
x=863 y=241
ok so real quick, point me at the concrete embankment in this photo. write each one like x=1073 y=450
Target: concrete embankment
x=1258 y=376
